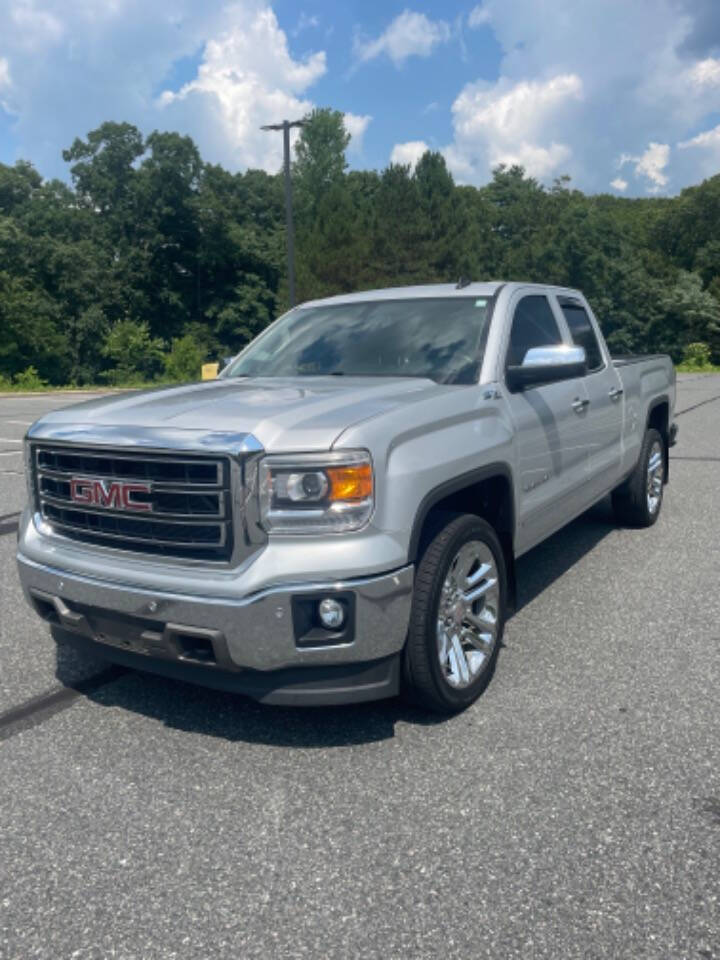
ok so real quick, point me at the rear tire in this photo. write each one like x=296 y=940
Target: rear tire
x=637 y=502
x=457 y=617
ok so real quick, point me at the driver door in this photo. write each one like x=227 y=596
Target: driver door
x=551 y=446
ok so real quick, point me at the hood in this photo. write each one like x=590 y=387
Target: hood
x=283 y=414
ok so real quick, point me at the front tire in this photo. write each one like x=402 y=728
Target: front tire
x=638 y=500
x=457 y=617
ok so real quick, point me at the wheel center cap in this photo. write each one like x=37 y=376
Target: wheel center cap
x=458 y=612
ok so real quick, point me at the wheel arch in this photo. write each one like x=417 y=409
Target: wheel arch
x=658 y=418
x=486 y=492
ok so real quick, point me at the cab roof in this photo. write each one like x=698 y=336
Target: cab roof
x=476 y=289
x=412 y=293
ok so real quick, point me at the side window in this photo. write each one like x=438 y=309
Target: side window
x=582 y=333
x=533 y=325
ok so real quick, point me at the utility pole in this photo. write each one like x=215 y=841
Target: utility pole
x=289 y=229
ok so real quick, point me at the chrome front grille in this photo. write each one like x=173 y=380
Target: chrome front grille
x=180 y=504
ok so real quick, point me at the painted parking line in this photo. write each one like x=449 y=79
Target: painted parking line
x=10 y=439
x=20 y=423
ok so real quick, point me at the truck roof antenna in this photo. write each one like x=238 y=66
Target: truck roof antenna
x=463 y=282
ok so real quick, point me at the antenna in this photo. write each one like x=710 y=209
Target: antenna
x=463 y=282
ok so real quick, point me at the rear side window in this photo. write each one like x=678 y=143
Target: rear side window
x=582 y=333
x=533 y=325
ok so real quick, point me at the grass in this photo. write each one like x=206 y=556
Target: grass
x=691 y=368
x=8 y=388
x=54 y=388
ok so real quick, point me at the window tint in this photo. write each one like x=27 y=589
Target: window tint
x=533 y=326
x=582 y=332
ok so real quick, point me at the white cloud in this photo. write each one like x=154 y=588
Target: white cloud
x=247 y=78
x=410 y=34
x=702 y=152
x=641 y=80
x=306 y=22
x=408 y=153
x=75 y=65
x=511 y=124
x=705 y=73
x=510 y=113
x=356 y=127
x=479 y=16
x=709 y=138
x=4 y=73
x=651 y=165
x=619 y=184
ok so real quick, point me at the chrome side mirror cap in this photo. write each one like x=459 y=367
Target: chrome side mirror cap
x=547 y=365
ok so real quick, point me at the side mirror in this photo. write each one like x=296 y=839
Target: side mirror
x=546 y=365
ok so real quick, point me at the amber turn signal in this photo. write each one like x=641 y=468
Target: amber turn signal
x=350 y=483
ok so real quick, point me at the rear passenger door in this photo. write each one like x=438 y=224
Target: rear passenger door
x=550 y=421
x=604 y=418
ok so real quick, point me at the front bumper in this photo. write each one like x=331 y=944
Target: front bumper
x=228 y=643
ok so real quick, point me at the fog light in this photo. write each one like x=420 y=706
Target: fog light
x=331 y=613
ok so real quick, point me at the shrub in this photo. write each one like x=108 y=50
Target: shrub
x=696 y=355
x=135 y=354
x=184 y=360
x=29 y=379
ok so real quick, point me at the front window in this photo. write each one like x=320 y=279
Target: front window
x=437 y=338
x=582 y=332
x=533 y=326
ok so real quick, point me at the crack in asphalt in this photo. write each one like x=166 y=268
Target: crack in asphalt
x=11 y=522
x=701 y=403
x=31 y=713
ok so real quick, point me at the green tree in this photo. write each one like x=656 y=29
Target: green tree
x=689 y=314
x=320 y=161
x=133 y=352
x=151 y=246
x=104 y=172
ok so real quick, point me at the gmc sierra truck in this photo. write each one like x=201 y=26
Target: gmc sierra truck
x=336 y=518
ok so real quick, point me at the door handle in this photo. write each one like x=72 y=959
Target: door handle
x=579 y=405
x=615 y=393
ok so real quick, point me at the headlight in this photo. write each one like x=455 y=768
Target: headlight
x=316 y=492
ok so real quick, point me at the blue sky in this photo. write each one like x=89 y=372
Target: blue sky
x=622 y=95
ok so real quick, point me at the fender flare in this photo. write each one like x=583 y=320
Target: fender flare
x=653 y=405
x=657 y=402
x=455 y=485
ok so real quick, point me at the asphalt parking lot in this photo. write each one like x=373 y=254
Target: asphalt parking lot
x=573 y=812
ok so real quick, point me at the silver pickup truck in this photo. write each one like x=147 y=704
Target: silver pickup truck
x=336 y=518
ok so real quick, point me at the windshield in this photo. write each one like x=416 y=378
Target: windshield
x=441 y=339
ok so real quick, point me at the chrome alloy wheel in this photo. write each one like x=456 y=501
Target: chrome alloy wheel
x=468 y=614
x=655 y=474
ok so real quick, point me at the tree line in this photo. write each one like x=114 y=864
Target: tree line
x=151 y=261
